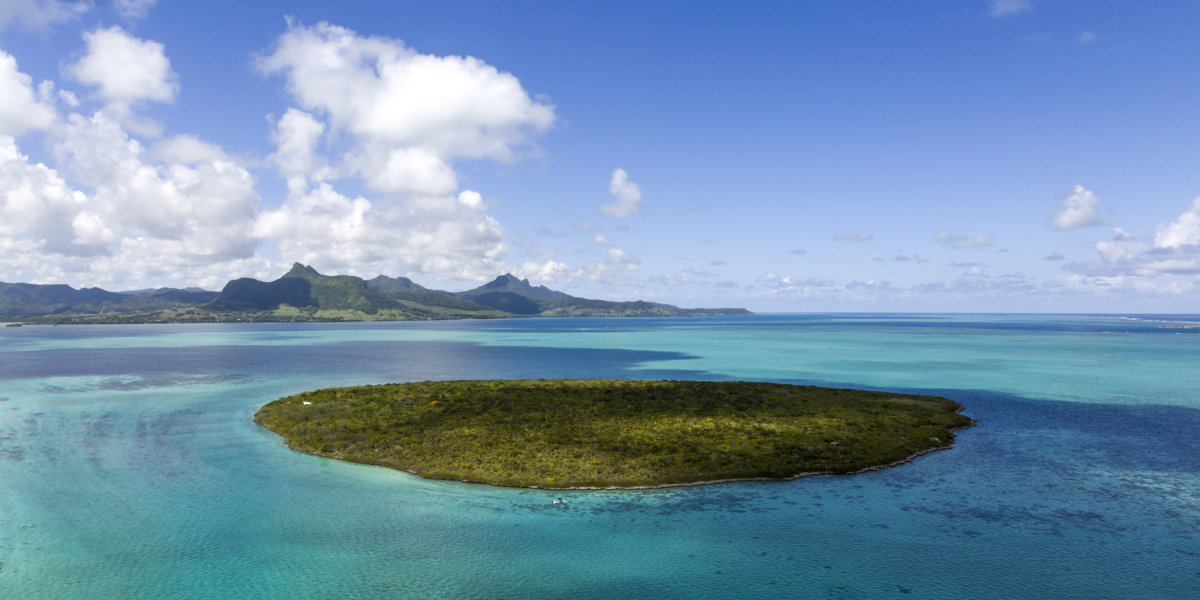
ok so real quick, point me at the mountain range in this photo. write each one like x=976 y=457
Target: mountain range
x=303 y=294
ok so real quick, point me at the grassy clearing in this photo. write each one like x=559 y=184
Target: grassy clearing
x=593 y=433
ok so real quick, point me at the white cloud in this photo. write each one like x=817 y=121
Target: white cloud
x=618 y=256
x=626 y=194
x=1079 y=210
x=471 y=199
x=1055 y=256
x=452 y=238
x=1174 y=251
x=1183 y=232
x=615 y=255
x=296 y=136
x=615 y=270
x=20 y=110
x=36 y=209
x=128 y=72
x=404 y=117
x=970 y=241
x=186 y=209
x=142 y=221
x=186 y=150
x=182 y=212
x=407 y=171
x=410 y=114
x=1121 y=248
x=37 y=15
x=1004 y=8
x=548 y=272
x=197 y=214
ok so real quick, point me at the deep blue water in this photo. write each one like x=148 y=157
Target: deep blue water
x=130 y=467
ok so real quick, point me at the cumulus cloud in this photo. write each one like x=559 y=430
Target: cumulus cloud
x=452 y=238
x=184 y=209
x=20 y=108
x=1004 y=8
x=37 y=210
x=615 y=255
x=113 y=211
x=127 y=72
x=1079 y=209
x=400 y=119
x=1184 y=231
x=199 y=213
x=970 y=241
x=627 y=196
x=186 y=150
x=852 y=237
x=617 y=268
x=296 y=136
x=1175 y=250
x=143 y=219
x=548 y=272
x=618 y=256
x=410 y=114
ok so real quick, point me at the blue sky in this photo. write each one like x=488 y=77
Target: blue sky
x=861 y=156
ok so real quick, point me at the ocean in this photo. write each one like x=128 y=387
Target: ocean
x=130 y=466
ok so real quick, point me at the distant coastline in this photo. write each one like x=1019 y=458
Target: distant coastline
x=304 y=295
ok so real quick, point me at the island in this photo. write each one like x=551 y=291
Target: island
x=303 y=294
x=613 y=434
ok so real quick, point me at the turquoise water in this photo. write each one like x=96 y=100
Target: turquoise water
x=130 y=467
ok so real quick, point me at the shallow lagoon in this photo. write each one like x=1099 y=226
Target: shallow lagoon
x=129 y=466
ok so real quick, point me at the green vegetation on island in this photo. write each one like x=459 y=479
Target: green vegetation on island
x=622 y=434
x=303 y=294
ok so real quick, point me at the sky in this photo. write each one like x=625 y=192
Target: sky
x=957 y=156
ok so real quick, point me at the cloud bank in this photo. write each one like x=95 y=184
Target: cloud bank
x=368 y=109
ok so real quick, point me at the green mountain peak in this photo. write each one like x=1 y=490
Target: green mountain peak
x=299 y=270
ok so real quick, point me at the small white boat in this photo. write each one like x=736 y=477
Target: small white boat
x=559 y=501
